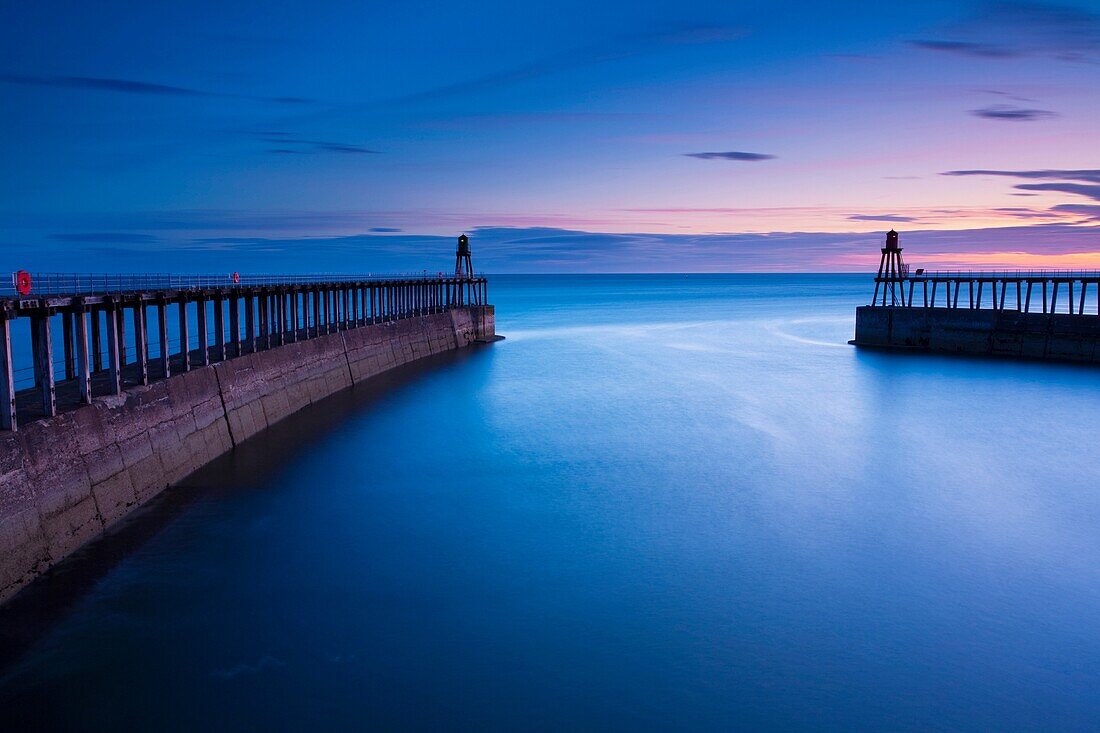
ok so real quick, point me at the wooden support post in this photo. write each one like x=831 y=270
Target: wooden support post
x=219 y=325
x=185 y=336
x=67 y=343
x=293 y=316
x=978 y=302
x=284 y=330
x=1054 y=298
x=1081 y=305
x=43 y=362
x=97 y=341
x=8 y=419
x=235 y=324
x=162 y=337
x=83 y=363
x=200 y=330
x=1027 y=302
x=250 y=324
x=1044 y=296
x=120 y=322
x=113 y=314
x=141 y=341
x=261 y=304
x=1070 y=304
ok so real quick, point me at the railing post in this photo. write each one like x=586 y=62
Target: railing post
x=43 y=362
x=8 y=419
x=84 y=366
x=113 y=314
x=162 y=336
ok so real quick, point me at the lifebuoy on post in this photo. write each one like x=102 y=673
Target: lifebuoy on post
x=236 y=278
x=23 y=283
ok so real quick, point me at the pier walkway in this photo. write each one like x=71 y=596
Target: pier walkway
x=67 y=338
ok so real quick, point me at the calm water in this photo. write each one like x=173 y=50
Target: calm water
x=664 y=503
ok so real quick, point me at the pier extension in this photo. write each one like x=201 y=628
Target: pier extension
x=1040 y=314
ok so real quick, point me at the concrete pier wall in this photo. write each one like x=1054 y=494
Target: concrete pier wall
x=1059 y=337
x=65 y=480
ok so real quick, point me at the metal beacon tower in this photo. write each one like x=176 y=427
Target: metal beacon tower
x=891 y=271
x=464 y=268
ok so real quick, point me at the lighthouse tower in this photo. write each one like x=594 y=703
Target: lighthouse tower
x=891 y=272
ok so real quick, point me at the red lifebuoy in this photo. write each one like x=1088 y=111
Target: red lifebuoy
x=23 y=282
x=236 y=277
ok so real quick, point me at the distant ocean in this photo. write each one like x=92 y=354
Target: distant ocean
x=663 y=503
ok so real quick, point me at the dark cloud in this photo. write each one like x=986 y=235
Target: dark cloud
x=731 y=155
x=881 y=217
x=383 y=230
x=1079 y=182
x=1089 y=175
x=967 y=48
x=104 y=237
x=1008 y=113
x=1004 y=30
x=1087 y=210
x=1077 y=189
x=129 y=86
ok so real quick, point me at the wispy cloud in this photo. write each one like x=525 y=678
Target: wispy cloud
x=1077 y=189
x=611 y=49
x=731 y=155
x=1089 y=175
x=1008 y=113
x=966 y=48
x=1079 y=182
x=104 y=237
x=288 y=144
x=130 y=86
x=881 y=217
x=1008 y=30
x=265 y=663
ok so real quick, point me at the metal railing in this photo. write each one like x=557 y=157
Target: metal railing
x=67 y=283
x=1049 y=274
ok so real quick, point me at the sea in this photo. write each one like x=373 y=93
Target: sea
x=663 y=503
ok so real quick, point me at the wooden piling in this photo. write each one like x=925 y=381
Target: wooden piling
x=8 y=419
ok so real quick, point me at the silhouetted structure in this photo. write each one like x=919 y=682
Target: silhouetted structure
x=891 y=272
x=464 y=267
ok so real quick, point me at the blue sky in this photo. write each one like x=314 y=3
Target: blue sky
x=563 y=136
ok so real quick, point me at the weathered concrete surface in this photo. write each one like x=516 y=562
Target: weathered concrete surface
x=1060 y=337
x=66 y=479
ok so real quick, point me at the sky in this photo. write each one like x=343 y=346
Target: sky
x=563 y=137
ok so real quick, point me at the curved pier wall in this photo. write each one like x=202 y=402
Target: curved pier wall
x=1059 y=336
x=65 y=480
